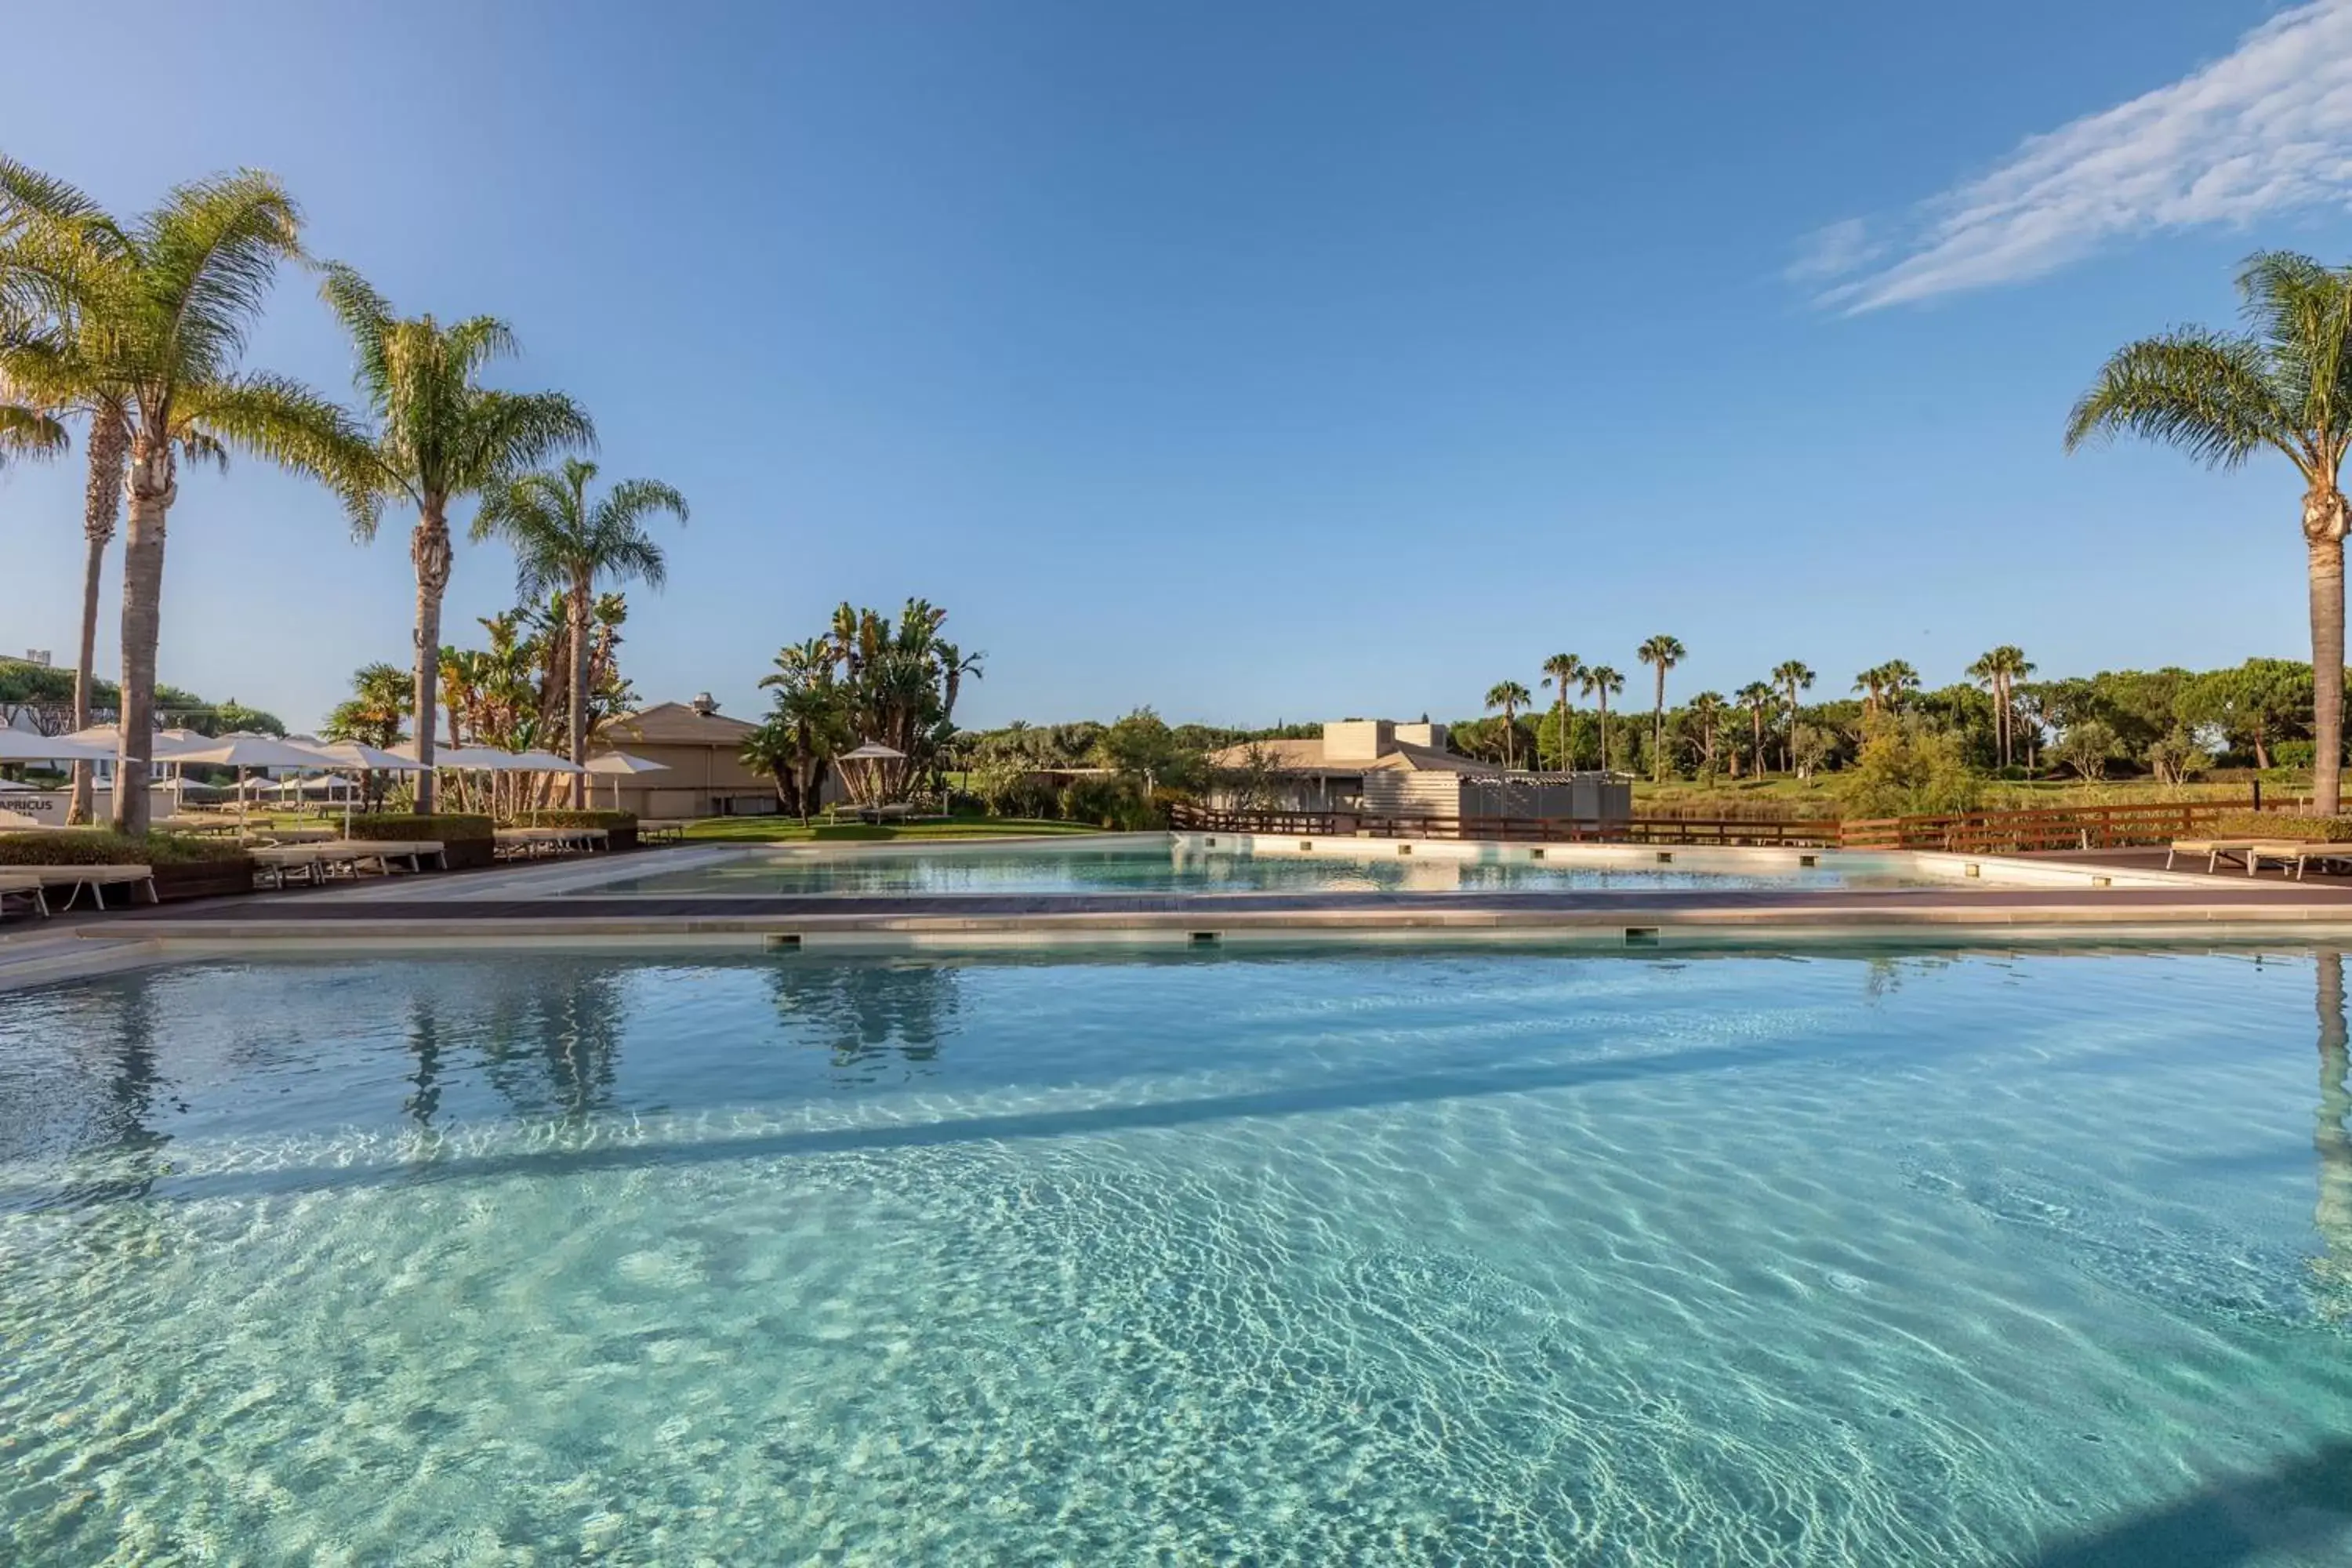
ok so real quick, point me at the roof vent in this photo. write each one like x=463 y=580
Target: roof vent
x=704 y=704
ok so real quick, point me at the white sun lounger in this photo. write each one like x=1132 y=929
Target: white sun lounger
x=25 y=886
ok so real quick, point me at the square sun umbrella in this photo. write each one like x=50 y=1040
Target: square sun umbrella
x=539 y=762
x=243 y=751
x=163 y=746
x=23 y=746
x=618 y=765
x=373 y=759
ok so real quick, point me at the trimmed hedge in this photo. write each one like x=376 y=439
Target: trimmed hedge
x=451 y=829
x=102 y=846
x=610 y=821
x=2280 y=824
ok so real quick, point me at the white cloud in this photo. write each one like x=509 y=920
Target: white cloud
x=1833 y=252
x=2266 y=129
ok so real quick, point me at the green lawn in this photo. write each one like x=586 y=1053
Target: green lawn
x=785 y=830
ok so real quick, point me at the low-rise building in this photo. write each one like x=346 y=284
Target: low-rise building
x=701 y=753
x=1378 y=767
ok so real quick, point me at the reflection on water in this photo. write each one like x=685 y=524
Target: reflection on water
x=2332 y=1141
x=870 y=1016
x=552 y=1044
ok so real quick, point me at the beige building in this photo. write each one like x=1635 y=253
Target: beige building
x=1382 y=768
x=702 y=752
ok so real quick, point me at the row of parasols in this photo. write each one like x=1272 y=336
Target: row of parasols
x=179 y=748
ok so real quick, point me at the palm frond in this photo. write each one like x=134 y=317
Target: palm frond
x=284 y=422
x=365 y=316
x=507 y=432
x=30 y=434
x=2207 y=393
x=211 y=254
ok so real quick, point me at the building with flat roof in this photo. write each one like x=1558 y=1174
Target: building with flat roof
x=1378 y=767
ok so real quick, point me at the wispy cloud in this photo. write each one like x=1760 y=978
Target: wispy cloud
x=2266 y=129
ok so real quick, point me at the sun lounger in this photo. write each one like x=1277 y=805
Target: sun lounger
x=96 y=880
x=2246 y=852
x=23 y=885
x=2296 y=858
x=660 y=830
x=277 y=865
x=520 y=842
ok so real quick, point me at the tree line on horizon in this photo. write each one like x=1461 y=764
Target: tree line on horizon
x=135 y=332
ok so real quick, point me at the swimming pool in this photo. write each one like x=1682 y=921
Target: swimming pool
x=1057 y=869
x=1476 y=1257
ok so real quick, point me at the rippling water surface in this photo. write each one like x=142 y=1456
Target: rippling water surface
x=1493 y=1259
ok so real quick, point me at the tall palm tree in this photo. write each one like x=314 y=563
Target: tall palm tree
x=1898 y=680
x=1872 y=684
x=1604 y=682
x=1757 y=698
x=562 y=544
x=1707 y=708
x=1662 y=652
x=2284 y=382
x=1562 y=670
x=154 y=315
x=1510 y=697
x=1998 y=670
x=74 y=391
x=441 y=435
x=1792 y=675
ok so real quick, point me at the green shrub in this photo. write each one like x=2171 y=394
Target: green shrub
x=102 y=847
x=446 y=829
x=567 y=817
x=1909 y=770
x=2280 y=824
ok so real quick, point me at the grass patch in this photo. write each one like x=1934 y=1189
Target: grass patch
x=789 y=830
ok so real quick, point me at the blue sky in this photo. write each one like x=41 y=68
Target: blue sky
x=1257 y=362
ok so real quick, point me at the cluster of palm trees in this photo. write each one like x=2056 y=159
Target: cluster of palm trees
x=136 y=330
x=1883 y=689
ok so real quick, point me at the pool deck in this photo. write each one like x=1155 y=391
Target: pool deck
x=518 y=907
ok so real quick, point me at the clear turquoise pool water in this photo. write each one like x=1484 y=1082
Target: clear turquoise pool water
x=1493 y=1259
x=1060 y=870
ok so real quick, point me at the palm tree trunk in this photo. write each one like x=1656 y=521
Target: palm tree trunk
x=1605 y=732
x=1658 y=730
x=152 y=488
x=2324 y=519
x=577 y=611
x=428 y=547
x=101 y=502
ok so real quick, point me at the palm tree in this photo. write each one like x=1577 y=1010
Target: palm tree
x=1999 y=670
x=1510 y=697
x=562 y=545
x=1665 y=652
x=808 y=723
x=1792 y=677
x=1601 y=680
x=1897 y=680
x=440 y=436
x=1757 y=698
x=1872 y=684
x=1562 y=670
x=153 y=315
x=74 y=391
x=2283 y=383
x=1708 y=709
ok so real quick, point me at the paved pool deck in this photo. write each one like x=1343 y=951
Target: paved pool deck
x=520 y=907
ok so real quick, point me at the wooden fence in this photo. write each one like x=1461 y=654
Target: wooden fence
x=1975 y=832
